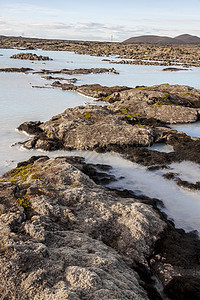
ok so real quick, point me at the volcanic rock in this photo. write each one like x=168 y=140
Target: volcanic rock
x=90 y=127
x=64 y=237
x=30 y=56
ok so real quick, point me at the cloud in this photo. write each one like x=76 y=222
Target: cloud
x=90 y=30
x=28 y=9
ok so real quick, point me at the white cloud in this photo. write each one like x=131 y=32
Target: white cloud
x=92 y=30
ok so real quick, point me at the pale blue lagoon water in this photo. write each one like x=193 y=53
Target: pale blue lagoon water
x=20 y=102
x=130 y=75
x=192 y=129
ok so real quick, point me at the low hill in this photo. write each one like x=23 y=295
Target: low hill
x=188 y=39
x=155 y=39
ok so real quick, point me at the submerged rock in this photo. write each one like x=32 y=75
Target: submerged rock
x=174 y=69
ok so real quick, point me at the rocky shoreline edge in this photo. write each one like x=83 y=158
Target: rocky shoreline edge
x=131 y=120
x=66 y=236
x=142 y=54
x=63 y=236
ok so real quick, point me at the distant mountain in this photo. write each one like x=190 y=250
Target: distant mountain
x=188 y=39
x=155 y=39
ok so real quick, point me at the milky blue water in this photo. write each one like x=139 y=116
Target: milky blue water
x=20 y=102
x=192 y=129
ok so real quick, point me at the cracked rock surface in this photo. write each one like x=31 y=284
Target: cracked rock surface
x=65 y=237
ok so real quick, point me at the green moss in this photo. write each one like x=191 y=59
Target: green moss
x=141 y=87
x=24 y=203
x=158 y=103
x=35 y=176
x=22 y=172
x=49 y=134
x=74 y=185
x=106 y=98
x=139 y=125
x=167 y=95
x=185 y=95
x=87 y=115
x=124 y=112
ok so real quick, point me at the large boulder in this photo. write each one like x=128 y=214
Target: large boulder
x=88 y=128
x=64 y=237
x=148 y=103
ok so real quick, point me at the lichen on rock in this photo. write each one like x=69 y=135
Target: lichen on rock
x=76 y=241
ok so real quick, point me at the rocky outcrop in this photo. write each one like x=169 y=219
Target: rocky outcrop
x=144 y=62
x=154 y=103
x=16 y=70
x=80 y=71
x=162 y=102
x=64 y=237
x=132 y=120
x=70 y=80
x=174 y=69
x=96 y=91
x=30 y=56
x=87 y=128
x=185 y=95
x=168 y=55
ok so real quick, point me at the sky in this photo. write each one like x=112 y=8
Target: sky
x=102 y=20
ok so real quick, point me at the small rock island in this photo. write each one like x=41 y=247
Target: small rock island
x=30 y=56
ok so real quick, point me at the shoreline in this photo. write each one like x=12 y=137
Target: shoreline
x=185 y=55
x=52 y=212
x=165 y=257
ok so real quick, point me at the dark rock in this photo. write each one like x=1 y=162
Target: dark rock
x=80 y=71
x=32 y=128
x=64 y=236
x=30 y=56
x=70 y=80
x=144 y=54
x=183 y=288
x=16 y=70
x=183 y=183
x=174 y=69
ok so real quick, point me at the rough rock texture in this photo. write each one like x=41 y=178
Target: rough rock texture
x=16 y=70
x=174 y=69
x=79 y=71
x=166 y=103
x=186 y=94
x=30 y=56
x=96 y=91
x=186 y=55
x=85 y=128
x=70 y=80
x=133 y=119
x=153 y=102
x=64 y=237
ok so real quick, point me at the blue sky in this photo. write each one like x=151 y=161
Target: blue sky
x=99 y=20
